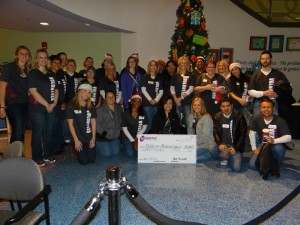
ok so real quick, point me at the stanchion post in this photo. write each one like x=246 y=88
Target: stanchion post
x=113 y=176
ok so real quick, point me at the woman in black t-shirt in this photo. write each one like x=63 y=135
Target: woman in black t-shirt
x=14 y=93
x=81 y=118
x=42 y=101
x=134 y=122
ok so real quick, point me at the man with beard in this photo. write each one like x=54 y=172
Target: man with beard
x=264 y=82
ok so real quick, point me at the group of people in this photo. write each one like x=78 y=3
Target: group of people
x=105 y=110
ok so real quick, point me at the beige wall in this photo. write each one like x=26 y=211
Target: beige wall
x=76 y=45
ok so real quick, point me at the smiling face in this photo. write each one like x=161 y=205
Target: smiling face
x=71 y=66
x=55 y=65
x=42 y=59
x=85 y=94
x=110 y=98
x=226 y=108
x=236 y=71
x=171 y=68
x=197 y=106
x=168 y=106
x=210 y=69
x=23 y=56
x=267 y=109
x=136 y=103
x=265 y=60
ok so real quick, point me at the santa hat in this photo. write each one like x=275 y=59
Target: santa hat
x=135 y=55
x=135 y=96
x=201 y=57
x=108 y=56
x=232 y=65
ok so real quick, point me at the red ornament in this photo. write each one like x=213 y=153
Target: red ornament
x=203 y=26
x=181 y=22
x=193 y=58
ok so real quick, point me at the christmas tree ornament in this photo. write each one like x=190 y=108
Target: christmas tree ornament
x=187 y=5
x=189 y=33
x=174 y=55
x=203 y=26
x=195 y=17
x=193 y=49
x=193 y=58
x=199 y=40
x=179 y=41
x=181 y=22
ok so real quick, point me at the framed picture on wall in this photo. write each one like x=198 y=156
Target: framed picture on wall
x=258 y=43
x=226 y=54
x=276 y=43
x=293 y=44
x=214 y=54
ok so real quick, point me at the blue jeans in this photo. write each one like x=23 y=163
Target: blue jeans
x=235 y=161
x=86 y=155
x=42 y=134
x=278 y=151
x=186 y=110
x=17 y=115
x=128 y=147
x=256 y=108
x=205 y=154
x=108 y=148
x=150 y=110
x=58 y=127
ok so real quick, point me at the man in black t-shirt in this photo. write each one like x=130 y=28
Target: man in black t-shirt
x=276 y=132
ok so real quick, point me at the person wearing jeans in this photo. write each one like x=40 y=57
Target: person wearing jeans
x=108 y=126
x=42 y=101
x=277 y=128
x=14 y=93
x=230 y=131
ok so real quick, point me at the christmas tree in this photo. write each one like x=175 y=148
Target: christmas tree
x=190 y=37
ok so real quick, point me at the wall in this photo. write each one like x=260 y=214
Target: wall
x=154 y=24
x=76 y=45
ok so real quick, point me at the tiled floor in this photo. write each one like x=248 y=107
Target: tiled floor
x=204 y=193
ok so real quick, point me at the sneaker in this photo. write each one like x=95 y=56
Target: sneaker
x=50 y=160
x=224 y=162
x=41 y=163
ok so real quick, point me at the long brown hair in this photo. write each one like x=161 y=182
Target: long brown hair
x=27 y=64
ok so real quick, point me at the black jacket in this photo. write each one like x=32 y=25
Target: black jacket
x=159 y=120
x=239 y=130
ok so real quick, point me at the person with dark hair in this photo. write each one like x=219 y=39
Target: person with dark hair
x=81 y=117
x=199 y=67
x=264 y=82
x=108 y=126
x=134 y=122
x=151 y=86
x=14 y=93
x=42 y=102
x=201 y=124
x=73 y=80
x=166 y=120
x=90 y=79
x=276 y=128
x=238 y=84
x=89 y=61
x=170 y=70
x=130 y=81
x=64 y=59
x=211 y=86
x=230 y=130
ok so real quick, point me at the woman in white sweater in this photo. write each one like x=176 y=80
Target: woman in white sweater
x=201 y=124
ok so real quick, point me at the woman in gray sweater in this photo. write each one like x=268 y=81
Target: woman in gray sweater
x=201 y=124
x=108 y=126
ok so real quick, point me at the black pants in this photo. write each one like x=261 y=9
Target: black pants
x=86 y=155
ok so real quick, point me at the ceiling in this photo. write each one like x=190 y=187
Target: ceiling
x=273 y=13
x=26 y=15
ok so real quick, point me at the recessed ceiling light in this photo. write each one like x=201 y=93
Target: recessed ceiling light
x=44 y=23
x=87 y=24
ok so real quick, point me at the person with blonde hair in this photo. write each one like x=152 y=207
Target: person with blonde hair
x=182 y=87
x=81 y=117
x=201 y=124
x=152 y=90
x=43 y=99
x=14 y=92
x=223 y=69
